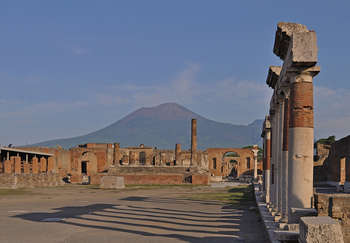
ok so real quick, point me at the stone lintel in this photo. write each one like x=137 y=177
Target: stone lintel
x=283 y=36
x=273 y=76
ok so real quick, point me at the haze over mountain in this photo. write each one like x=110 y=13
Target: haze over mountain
x=164 y=125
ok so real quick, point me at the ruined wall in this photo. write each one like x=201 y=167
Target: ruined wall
x=221 y=166
x=330 y=168
x=336 y=206
x=13 y=181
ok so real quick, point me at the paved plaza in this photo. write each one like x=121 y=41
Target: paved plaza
x=164 y=214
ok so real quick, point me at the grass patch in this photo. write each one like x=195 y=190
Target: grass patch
x=14 y=192
x=239 y=196
x=160 y=186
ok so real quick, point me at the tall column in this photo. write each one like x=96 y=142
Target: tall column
x=193 y=140
x=177 y=153
x=273 y=158
x=43 y=164
x=275 y=155
x=280 y=139
x=132 y=157
x=268 y=159
x=285 y=161
x=18 y=165
x=300 y=142
x=255 y=151
x=116 y=153
x=35 y=165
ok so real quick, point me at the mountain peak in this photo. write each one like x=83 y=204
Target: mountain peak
x=165 y=125
x=165 y=111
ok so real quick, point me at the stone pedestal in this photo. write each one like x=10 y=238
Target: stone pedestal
x=320 y=229
x=112 y=182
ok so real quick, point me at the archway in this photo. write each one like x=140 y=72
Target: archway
x=234 y=168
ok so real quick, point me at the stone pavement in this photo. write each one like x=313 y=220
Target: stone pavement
x=153 y=215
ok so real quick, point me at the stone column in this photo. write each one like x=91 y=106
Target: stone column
x=279 y=150
x=255 y=151
x=193 y=141
x=285 y=161
x=300 y=142
x=177 y=154
x=132 y=157
x=273 y=133
x=276 y=157
x=268 y=159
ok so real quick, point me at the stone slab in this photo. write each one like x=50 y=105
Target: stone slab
x=112 y=182
x=297 y=213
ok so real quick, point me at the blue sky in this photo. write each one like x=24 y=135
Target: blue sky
x=71 y=67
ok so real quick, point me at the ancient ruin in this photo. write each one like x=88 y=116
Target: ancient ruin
x=89 y=163
x=288 y=138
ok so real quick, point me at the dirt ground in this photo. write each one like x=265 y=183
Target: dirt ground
x=136 y=214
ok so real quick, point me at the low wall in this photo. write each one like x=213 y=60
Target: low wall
x=337 y=206
x=153 y=179
x=200 y=179
x=29 y=180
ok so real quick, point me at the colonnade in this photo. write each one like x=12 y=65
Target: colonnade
x=288 y=130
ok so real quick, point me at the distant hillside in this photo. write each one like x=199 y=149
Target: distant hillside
x=164 y=125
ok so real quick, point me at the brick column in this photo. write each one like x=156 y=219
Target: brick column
x=193 y=141
x=26 y=169
x=51 y=164
x=35 y=165
x=279 y=152
x=43 y=164
x=18 y=165
x=117 y=155
x=7 y=167
x=300 y=142
x=177 y=154
x=273 y=159
x=285 y=160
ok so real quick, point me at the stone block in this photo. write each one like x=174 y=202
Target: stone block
x=304 y=48
x=112 y=182
x=320 y=229
x=286 y=236
x=297 y=213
